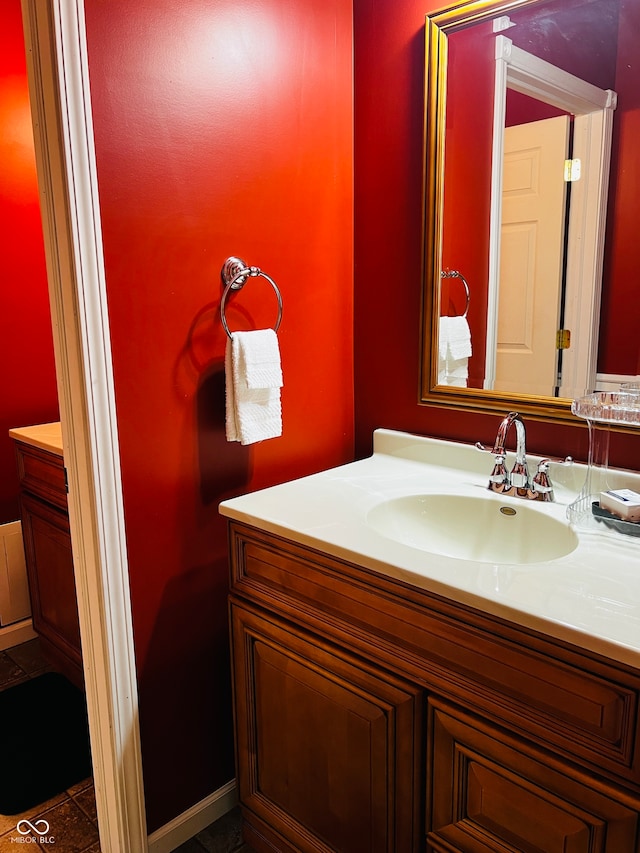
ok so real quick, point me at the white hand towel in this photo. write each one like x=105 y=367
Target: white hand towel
x=454 y=349
x=457 y=372
x=261 y=358
x=443 y=338
x=442 y=371
x=459 y=339
x=253 y=376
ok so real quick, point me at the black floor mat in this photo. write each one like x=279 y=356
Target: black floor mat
x=44 y=741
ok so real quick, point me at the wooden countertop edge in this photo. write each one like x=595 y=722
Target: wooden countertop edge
x=45 y=436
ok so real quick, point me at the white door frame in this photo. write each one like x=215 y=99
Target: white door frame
x=63 y=132
x=593 y=109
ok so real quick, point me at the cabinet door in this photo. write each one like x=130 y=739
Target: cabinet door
x=54 y=605
x=489 y=793
x=328 y=748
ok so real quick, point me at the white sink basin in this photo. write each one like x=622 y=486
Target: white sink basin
x=483 y=529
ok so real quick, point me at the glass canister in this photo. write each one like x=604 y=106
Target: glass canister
x=602 y=410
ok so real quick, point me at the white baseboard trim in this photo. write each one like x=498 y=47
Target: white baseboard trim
x=193 y=820
x=19 y=632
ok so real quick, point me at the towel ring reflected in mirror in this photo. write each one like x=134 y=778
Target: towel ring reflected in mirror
x=456 y=274
x=235 y=274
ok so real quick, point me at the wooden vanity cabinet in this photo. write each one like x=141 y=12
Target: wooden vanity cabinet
x=47 y=543
x=372 y=715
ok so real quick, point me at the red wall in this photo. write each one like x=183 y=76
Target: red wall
x=221 y=129
x=29 y=393
x=389 y=70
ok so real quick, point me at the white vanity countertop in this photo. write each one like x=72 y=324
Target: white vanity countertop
x=590 y=597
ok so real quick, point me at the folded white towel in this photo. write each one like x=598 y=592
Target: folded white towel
x=457 y=366
x=456 y=373
x=443 y=339
x=253 y=376
x=442 y=371
x=261 y=358
x=458 y=337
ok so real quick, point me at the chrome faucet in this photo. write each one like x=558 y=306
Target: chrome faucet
x=517 y=483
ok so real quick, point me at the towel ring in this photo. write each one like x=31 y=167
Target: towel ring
x=235 y=274
x=456 y=274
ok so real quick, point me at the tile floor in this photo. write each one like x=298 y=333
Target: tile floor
x=71 y=816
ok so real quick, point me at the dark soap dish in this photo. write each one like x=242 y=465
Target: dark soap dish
x=629 y=528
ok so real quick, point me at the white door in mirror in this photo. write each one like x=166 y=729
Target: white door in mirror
x=531 y=255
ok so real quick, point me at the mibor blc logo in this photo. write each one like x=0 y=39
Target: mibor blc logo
x=36 y=832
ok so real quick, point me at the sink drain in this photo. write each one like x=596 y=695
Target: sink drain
x=507 y=510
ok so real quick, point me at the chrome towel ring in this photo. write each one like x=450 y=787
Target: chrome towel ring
x=235 y=274
x=456 y=274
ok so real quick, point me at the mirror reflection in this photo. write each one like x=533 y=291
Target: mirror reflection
x=525 y=227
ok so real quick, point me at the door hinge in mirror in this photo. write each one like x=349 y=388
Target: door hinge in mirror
x=572 y=170
x=563 y=339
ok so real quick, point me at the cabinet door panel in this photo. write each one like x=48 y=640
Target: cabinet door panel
x=328 y=750
x=486 y=795
x=52 y=583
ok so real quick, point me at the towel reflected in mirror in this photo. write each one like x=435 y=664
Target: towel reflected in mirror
x=454 y=351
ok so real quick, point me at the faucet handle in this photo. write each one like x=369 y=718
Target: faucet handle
x=499 y=475
x=541 y=483
x=568 y=460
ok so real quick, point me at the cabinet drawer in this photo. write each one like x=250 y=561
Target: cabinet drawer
x=42 y=474
x=487 y=792
x=579 y=705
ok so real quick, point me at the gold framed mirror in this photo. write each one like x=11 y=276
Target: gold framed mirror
x=452 y=283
